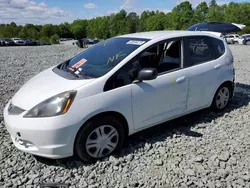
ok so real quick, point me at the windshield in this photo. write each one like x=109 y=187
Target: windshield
x=102 y=57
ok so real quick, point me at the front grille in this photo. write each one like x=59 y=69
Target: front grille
x=15 y=110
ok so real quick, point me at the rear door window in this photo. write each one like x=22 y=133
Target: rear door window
x=199 y=50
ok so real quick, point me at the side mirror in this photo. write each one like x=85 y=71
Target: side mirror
x=147 y=74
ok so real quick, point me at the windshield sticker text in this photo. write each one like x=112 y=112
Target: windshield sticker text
x=135 y=42
x=115 y=57
x=79 y=63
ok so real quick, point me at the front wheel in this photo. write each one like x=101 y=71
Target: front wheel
x=222 y=97
x=99 y=138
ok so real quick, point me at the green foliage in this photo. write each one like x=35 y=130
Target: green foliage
x=156 y=22
x=78 y=28
x=215 y=12
x=64 y=30
x=181 y=17
x=200 y=13
x=44 y=39
x=132 y=22
x=54 y=39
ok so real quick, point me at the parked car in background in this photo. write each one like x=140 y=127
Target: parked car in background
x=44 y=43
x=232 y=38
x=35 y=43
x=244 y=39
x=1 y=42
x=96 y=41
x=6 y=42
x=65 y=39
x=119 y=87
x=28 y=42
x=19 y=41
x=82 y=43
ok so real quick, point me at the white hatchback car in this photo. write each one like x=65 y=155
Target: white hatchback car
x=90 y=103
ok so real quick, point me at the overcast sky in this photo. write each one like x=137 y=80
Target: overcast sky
x=58 y=11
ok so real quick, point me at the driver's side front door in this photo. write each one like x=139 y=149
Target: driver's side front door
x=155 y=101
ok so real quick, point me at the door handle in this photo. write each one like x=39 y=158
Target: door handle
x=181 y=79
x=217 y=66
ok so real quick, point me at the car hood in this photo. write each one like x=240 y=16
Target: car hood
x=43 y=86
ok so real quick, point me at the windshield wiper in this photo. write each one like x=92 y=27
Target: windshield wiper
x=80 y=75
x=74 y=74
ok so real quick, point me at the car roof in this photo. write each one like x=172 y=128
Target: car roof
x=172 y=33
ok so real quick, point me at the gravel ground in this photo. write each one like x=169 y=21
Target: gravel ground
x=203 y=149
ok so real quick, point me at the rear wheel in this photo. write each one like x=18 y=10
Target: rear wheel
x=222 y=97
x=99 y=138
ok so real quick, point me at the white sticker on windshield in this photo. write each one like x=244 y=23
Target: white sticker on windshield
x=136 y=42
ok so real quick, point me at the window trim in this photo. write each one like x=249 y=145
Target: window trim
x=188 y=55
x=138 y=55
x=214 y=50
x=182 y=58
x=166 y=41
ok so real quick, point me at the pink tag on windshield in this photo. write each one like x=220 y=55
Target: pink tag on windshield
x=79 y=63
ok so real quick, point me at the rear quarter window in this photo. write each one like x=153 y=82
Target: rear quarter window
x=218 y=46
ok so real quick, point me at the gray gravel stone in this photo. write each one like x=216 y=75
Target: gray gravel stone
x=240 y=181
x=158 y=162
x=129 y=157
x=224 y=156
x=198 y=159
x=190 y=172
x=246 y=177
x=222 y=173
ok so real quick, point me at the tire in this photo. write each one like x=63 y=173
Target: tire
x=220 y=103
x=87 y=136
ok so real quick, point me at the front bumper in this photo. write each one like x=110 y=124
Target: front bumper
x=47 y=137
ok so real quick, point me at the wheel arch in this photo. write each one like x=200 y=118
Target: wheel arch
x=228 y=83
x=115 y=114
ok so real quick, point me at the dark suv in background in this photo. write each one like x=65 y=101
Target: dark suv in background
x=246 y=39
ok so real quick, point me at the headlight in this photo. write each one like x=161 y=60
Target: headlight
x=56 y=105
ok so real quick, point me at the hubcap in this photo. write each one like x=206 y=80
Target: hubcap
x=102 y=141
x=222 y=97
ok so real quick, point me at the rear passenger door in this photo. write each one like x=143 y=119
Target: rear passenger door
x=203 y=71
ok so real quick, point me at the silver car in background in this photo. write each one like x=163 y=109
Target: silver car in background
x=19 y=41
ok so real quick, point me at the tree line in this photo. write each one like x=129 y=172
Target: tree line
x=180 y=18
